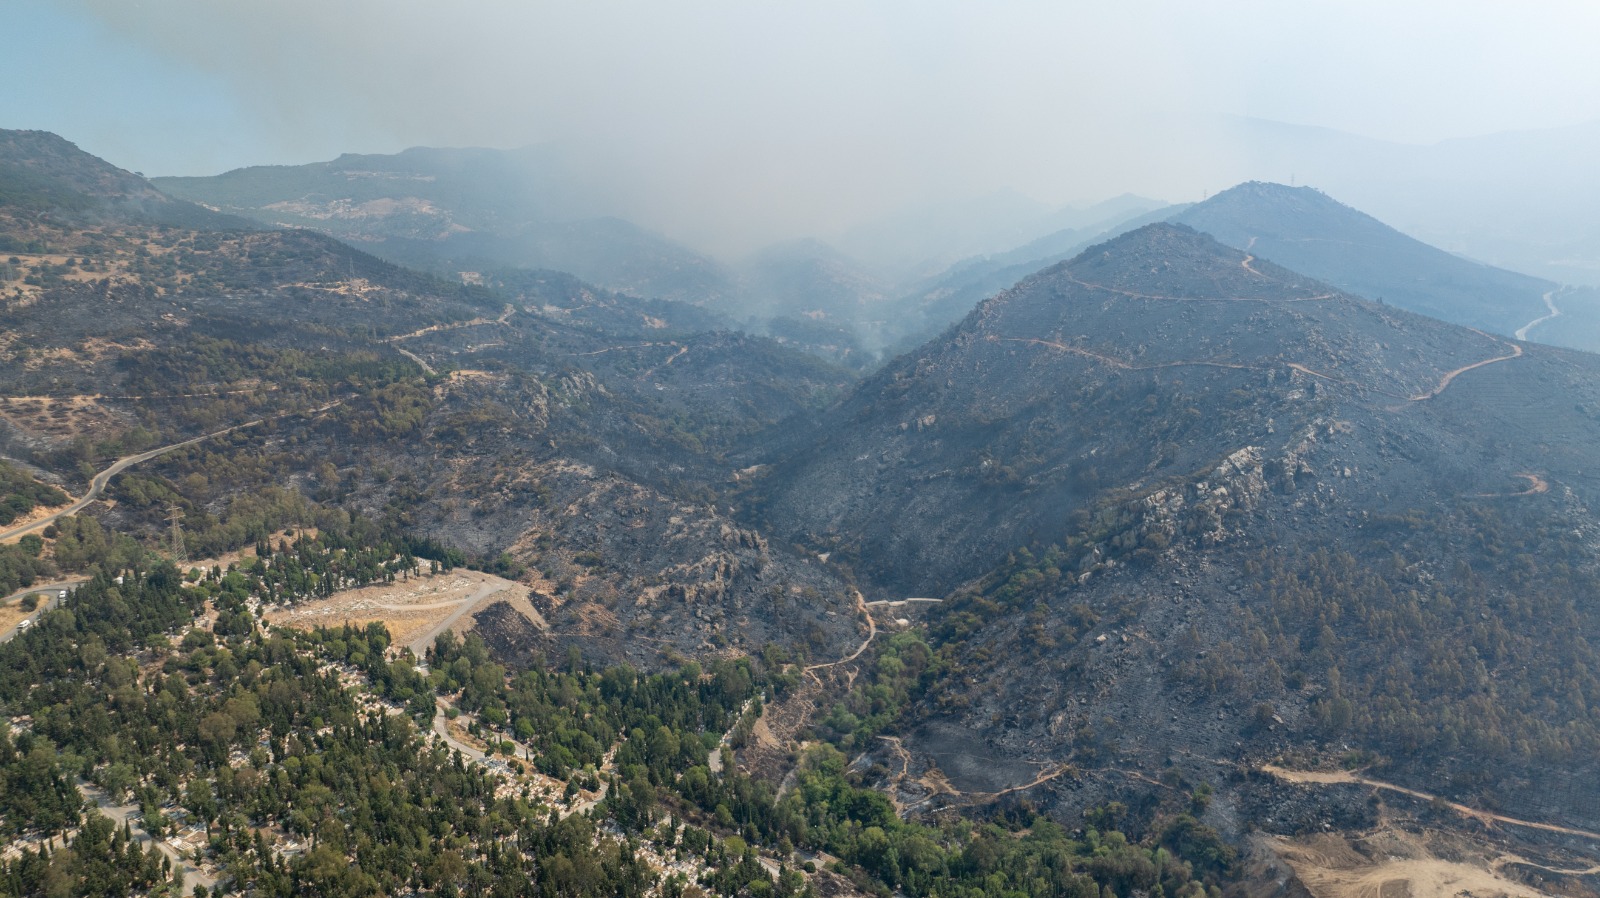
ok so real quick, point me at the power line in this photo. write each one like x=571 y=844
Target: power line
x=175 y=515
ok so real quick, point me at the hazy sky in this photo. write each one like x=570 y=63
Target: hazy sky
x=814 y=113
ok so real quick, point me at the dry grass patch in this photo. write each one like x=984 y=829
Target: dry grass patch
x=12 y=614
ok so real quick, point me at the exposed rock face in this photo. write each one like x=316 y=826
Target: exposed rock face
x=1156 y=356
x=1215 y=463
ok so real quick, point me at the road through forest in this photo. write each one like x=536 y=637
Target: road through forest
x=98 y=484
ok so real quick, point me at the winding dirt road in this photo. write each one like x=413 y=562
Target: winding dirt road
x=872 y=633
x=1119 y=364
x=426 y=368
x=1320 y=297
x=1516 y=352
x=102 y=479
x=1331 y=777
x=437 y=328
x=505 y=316
x=1549 y=303
x=1536 y=486
x=1249 y=258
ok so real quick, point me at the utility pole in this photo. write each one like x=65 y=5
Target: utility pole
x=175 y=515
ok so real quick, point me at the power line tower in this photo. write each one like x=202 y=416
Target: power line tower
x=175 y=516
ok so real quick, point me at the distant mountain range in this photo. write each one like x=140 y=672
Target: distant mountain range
x=1168 y=539
x=933 y=304
x=1521 y=200
x=1308 y=231
x=464 y=209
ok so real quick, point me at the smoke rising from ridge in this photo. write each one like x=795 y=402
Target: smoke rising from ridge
x=732 y=124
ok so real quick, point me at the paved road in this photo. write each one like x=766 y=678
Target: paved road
x=441 y=725
x=419 y=646
x=98 y=484
x=52 y=592
x=714 y=757
x=56 y=587
x=130 y=815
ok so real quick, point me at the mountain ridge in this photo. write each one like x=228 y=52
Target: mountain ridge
x=1308 y=231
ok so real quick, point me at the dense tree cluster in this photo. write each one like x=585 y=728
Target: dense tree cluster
x=305 y=787
x=21 y=494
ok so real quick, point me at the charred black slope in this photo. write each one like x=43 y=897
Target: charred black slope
x=1144 y=358
x=568 y=429
x=1263 y=517
x=1308 y=231
x=936 y=304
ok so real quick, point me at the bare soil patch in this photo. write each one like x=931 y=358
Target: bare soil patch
x=408 y=608
x=1393 y=863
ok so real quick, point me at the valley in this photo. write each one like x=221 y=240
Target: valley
x=1164 y=568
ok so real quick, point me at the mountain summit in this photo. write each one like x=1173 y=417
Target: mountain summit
x=1169 y=482
x=1308 y=231
x=41 y=172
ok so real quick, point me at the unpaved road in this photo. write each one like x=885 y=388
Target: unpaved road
x=100 y=481
x=1549 y=303
x=1536 y=486
x=1134 y=295
x=1326 y=777
x=1404 y=878
x=1112 y=362
x=1516 y=352
x=872 y=633
x=426 y=368
x=505 y=315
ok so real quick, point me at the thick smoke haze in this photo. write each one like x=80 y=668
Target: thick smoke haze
x=729 y=125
